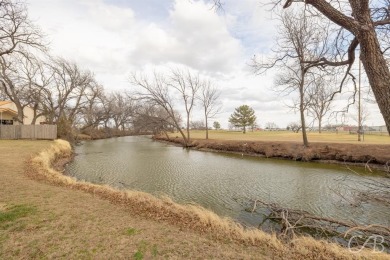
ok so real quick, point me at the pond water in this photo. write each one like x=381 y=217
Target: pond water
x=226 y=183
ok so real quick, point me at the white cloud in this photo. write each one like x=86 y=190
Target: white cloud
x=195 y=36
x=112 y=40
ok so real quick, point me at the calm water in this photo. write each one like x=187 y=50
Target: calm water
x=224 y=183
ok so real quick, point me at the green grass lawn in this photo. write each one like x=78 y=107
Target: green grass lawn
x=329 y=137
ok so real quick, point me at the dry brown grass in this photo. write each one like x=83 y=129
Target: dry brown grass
x=288 y=136
x=192 y=218
x=66 y=223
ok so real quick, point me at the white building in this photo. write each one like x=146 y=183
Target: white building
x=8 y=113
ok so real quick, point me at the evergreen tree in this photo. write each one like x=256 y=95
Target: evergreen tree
x=217 y=125
x=243 y=116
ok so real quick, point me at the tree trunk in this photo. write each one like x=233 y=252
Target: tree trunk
x=184 y=137
x=304 y=134
x=372 y=57
x=319 y=125
x=20 y=112
x=188 y=127
x=166 y=134
x=377 y=72
x=244 y=129
x=302 y=109
x=207 y=127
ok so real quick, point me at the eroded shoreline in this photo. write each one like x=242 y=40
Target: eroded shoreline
x=368 y=156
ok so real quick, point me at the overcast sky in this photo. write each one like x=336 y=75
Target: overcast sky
x=116 y=37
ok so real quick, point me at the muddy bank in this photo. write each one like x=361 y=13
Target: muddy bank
x=376 y=156
x=103 y=134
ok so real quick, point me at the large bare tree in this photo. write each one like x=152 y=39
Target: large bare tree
x=364 y=24
x=66 y=95
x=123 y=109
x=360 y=23
x=155 y=91
x=300 y=41
x=18 y=38
x=17 y=31
x=93 y=113
x=18 y=75
x=187 y=85
x=153 y=118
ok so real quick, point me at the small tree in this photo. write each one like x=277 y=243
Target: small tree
x=187 y=85
x=216 y=125
x=294 y=126
x=271 y=126
x=208 y=97
x=320 y=98
x=243 y=116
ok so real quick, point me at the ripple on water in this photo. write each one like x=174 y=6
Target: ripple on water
x=224 y=183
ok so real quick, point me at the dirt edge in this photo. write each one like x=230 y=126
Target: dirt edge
x=367 y=155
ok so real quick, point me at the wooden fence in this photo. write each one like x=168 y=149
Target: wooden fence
x=28 y=132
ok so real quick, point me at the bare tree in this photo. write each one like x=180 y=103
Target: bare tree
x=18 y=38
x=93 y=113
x=153 y=118
x=295 y=127
x=122 y=110
x=68 y=92
x=198 y=125
x=271 y=126
x=208 y=97
x=363 y=117
x=16 y=80
x=39 y=84
x=187 y=84
x=155 y=90
x=320 y=99
x=299 y=41
x=17 y=32
x=361 y=23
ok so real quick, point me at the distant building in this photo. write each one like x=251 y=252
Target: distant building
x=9 y=112
x=381 y=128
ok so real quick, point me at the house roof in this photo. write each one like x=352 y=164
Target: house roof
x=13 y=112
x=5 y=102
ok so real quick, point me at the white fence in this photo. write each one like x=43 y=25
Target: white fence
x=28 y=132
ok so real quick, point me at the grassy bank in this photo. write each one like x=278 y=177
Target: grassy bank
x=373 y=153
x=59 y=217
x=288 y=136
x=39 y=220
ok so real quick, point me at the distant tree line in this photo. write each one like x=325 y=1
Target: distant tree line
x=53 y=87
x=71 y=97
x=178 y=89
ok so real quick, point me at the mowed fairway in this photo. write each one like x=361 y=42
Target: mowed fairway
x=287 y=136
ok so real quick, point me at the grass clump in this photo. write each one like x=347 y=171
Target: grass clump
x=132 y=231
x=14 y=212
x=139 y=255
x=154 y=250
